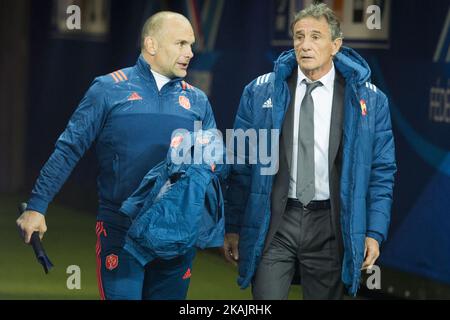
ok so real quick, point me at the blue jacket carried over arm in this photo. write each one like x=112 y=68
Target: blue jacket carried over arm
x=179 y=203
x=368 y=169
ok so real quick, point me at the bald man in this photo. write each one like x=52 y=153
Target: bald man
x=130 y=114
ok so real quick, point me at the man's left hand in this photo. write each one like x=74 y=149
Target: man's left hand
x=371 y=253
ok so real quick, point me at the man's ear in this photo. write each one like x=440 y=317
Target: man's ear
x=151 y=45
x=337 y=43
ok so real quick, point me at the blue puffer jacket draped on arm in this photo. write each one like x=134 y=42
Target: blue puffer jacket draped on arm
x=179 y=204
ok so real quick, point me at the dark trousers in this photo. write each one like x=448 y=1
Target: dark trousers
x=306 y=238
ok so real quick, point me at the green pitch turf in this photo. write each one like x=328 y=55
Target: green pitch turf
x=70 y=240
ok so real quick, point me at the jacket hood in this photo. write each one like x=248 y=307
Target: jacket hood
x=347 y=61
x=285 y=64
x=352 y=66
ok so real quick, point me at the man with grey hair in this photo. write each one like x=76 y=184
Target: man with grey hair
x=130 y=114
x=327 y=210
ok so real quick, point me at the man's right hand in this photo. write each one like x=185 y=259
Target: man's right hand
x=230 y=247
x=29 y=222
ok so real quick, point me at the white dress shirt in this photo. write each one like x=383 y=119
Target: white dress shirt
x=160 y=79
x=323 y=100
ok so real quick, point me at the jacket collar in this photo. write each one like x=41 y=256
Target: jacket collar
x=144 y=69
x=350 y=64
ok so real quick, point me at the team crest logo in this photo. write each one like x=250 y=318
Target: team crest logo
x=184 y=102
x=111 y=262
x=176 y=141
x=362 y=102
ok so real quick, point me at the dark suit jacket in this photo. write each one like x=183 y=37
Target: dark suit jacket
x=280 y=187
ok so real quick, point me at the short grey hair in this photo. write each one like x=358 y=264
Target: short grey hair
x=318 y=10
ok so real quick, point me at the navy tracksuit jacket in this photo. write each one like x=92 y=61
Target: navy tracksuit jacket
x=131 y=123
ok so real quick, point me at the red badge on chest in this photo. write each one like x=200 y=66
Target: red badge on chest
x=184 y=102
